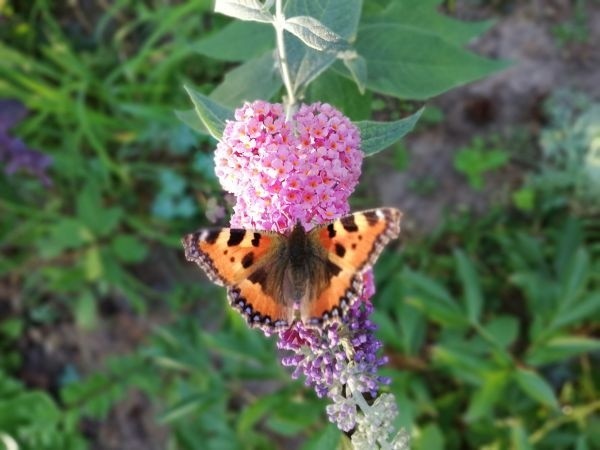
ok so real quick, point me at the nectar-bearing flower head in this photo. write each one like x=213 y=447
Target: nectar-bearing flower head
x=284 y=171
x=310 y=282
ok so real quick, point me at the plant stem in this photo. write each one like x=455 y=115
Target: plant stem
x=290 y=101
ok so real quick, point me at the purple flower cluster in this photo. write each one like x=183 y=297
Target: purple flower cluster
x=305 y=169
x=14 y=153
x=344 y=354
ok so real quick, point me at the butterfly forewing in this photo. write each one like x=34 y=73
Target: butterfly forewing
x=352 y=243
x=245 y=262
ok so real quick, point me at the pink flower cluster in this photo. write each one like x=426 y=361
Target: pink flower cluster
x=283 y=171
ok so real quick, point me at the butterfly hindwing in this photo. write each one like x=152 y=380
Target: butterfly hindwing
x=242 y=260
x=352 y=244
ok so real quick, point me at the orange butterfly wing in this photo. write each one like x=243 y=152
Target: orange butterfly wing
x=353 y=244
x=242 y=261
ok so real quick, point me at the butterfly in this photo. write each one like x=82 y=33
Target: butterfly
x=276 y=279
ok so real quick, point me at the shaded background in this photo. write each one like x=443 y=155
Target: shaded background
x=109 y=340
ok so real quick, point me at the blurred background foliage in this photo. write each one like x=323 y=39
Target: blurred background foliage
x=108 y=340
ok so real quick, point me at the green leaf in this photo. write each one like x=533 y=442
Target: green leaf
x=129 y=248
x=190 y=404
x=524 y=199
x=341 y=16
x=561 y=348
x=327 y=438
x=91 y=211
x=255 y=412
x=503 y=329
x=85 y=311
x=575 y=277
x=66 y=233
x=211 y=114
x=315 y=34
x=357 y=66
x=191 y=119
x=466 y=366
x=518 y=437
x=251 y=40
x=339 y=91
x=425 y=15
x=473 y=162
x=535 y=387
x=470 y=282
x=252 y=10
x=430 y=438
x=587 y=308
x=293 y=417
x=93 y=265
x=377 y=136
x=432 y=298
x=255 y=79
x=487 y=396
x=411 y=63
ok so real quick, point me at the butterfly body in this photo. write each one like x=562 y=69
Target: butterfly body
x=275 y=279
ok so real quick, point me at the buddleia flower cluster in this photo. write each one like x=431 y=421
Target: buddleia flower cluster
x=304 y=169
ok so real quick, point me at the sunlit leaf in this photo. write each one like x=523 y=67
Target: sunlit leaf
x=536 y=387
x=377 y=136
x=244 y=10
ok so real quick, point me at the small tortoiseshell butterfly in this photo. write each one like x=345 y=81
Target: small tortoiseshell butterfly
x=275 y=279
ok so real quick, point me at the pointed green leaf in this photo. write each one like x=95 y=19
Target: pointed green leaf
x=211 y=114
x=340 y=92
x=340 y=16
x=244 y=10
x=255 y=79
x=315 y=34
x=575 y=278
x=188 y=405
x=327 y=438
x=377 y=136
x=85 y=311
x=503 y=329
x=191 y=119
x=129 y=248
x=536 y=387
x=586 y=308
x=251 y=39
x=411 y=63
x=425 y=15
x=561 y=348
x=518 y=437
x=487 y=396
x=430 y=438
x=357 y=66
x=470 y=284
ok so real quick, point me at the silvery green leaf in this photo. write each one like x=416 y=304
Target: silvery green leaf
x=211 y=114
x=357 y=66
x=191 y=119
x=377 y=136
x=314 y=34
x=340 y=16
x=251 y=10
x=255 y=79
x=251 y=39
